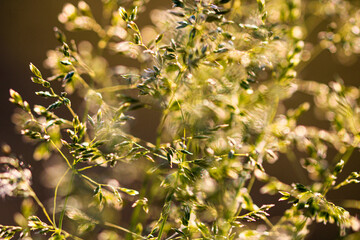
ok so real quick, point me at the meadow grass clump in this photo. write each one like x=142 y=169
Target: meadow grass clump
x=219 y=73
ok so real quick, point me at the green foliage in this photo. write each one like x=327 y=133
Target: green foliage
x=219 y=73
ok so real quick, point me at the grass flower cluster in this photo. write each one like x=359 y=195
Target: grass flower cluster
x=218 y=72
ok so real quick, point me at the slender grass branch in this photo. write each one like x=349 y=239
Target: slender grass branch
x=167 y=110
x=123 y=229
x=115 y=88
x=62 y=154
x=65 y=203
x=35 y=197
x=56 y=191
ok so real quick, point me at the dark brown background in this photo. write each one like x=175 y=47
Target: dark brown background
x=26 y=35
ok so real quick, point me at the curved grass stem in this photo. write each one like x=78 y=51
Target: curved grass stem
x=35 y=197
x=123 y=229
x=55 y=194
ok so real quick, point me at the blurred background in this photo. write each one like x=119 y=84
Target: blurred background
x=27 y=34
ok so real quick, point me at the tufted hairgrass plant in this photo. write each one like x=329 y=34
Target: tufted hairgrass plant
x=218 y=73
